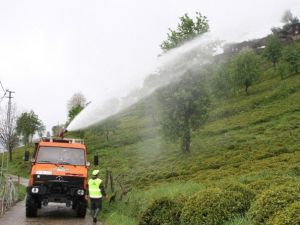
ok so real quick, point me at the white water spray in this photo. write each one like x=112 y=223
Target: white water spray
x=170 y=66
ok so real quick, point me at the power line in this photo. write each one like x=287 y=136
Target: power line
x=5 y=91
x=2 y=87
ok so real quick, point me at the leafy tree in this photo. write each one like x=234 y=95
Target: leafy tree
x=8 y=135
x=184 y=107
x=74 y=112
x=245 y=69
x=28 y=124
x=77 y=99
x=41 y=130
x=187 y=29
x=56 y=130
x=222 y=83
x=75 y=105
x=108 y=128
x=291 y=59
x=273 y=49
x=288 y=18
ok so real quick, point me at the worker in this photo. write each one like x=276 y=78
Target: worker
x=96 y=192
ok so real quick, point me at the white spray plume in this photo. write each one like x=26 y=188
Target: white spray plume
x=170 y=66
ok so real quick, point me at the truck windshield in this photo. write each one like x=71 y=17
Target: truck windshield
x=58 y=155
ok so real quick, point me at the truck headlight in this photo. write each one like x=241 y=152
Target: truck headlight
x=80 y=192
x=35 y=190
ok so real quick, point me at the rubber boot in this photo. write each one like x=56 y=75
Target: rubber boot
x=96 y=215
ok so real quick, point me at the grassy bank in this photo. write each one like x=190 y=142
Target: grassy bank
x=250 y=140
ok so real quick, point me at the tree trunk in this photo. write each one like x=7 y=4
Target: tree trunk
x=246 y=89
x=107 y=133
x=10 y=154
x=186 y=139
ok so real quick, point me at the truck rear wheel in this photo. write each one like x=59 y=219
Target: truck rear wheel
x=81 y=209
x=31 y=207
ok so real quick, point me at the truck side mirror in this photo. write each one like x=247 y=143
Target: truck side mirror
x=26 y=156
x=96 y=160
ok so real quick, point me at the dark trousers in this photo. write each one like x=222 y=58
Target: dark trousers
x=96 y=206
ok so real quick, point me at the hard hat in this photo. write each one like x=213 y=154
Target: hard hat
x=95 y=172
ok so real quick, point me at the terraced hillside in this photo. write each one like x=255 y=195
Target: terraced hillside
x=250 y=144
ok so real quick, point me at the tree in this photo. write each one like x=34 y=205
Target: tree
x=221 y=82
x=291 y=59
x=273 y=50
x=41 y=130
x=108 y=127
x=245 y=69
x=8 y=135
x=28 y=124
x=74 y=112
x=184 y=107
x=77 y=99
x=187 y=29
x=56 y=130
x=75 y=105
x=288 y=18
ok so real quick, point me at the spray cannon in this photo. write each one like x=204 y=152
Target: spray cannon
x=62 y=132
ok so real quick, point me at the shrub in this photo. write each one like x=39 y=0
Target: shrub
x=162 y=211
x=247 y=193
x=289 y=216
x=262 y=185
x=211 y=207
x=272 y=201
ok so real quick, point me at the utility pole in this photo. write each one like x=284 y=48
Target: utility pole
x=9 y=122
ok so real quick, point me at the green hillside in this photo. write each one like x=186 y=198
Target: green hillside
x=252 y=140
x=248 y=147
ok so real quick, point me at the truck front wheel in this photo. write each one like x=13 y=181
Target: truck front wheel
x=81 y=208
x=31 y=206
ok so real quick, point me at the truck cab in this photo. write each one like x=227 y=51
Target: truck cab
x=59 y=173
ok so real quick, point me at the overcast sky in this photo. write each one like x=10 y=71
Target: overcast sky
x=52 y=49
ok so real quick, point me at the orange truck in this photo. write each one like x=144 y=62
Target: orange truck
x=59 y=173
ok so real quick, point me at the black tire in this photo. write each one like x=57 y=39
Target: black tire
x=39 y=204
x=31 y=206
x=81 y=208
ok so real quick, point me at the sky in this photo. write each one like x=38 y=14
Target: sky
x=50 y=50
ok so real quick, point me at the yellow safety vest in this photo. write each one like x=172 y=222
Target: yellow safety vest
x=94 y=188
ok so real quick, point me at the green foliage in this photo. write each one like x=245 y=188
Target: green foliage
x=108 y=127
x=28 y=124
x=245 y=69
x=74 y=111
x=56 y=130
x=272 y=201
x=289 y=216
x=187 y=29
x=222 y=83
x=247 y=193
x=290 y=62
x=273 y=49
x=184 y=107
x=162 y=211
x=239 y=221
x=212 y=206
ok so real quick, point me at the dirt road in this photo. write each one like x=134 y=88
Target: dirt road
x=54 y=214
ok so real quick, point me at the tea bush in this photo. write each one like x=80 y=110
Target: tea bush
x=289 y=216
x=272 y=201
x=211 y=207
x=247 y=193
x=162 y=211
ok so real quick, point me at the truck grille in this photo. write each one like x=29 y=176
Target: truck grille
x=68 y=180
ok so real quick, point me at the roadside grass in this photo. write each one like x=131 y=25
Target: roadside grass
x=22 y=192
